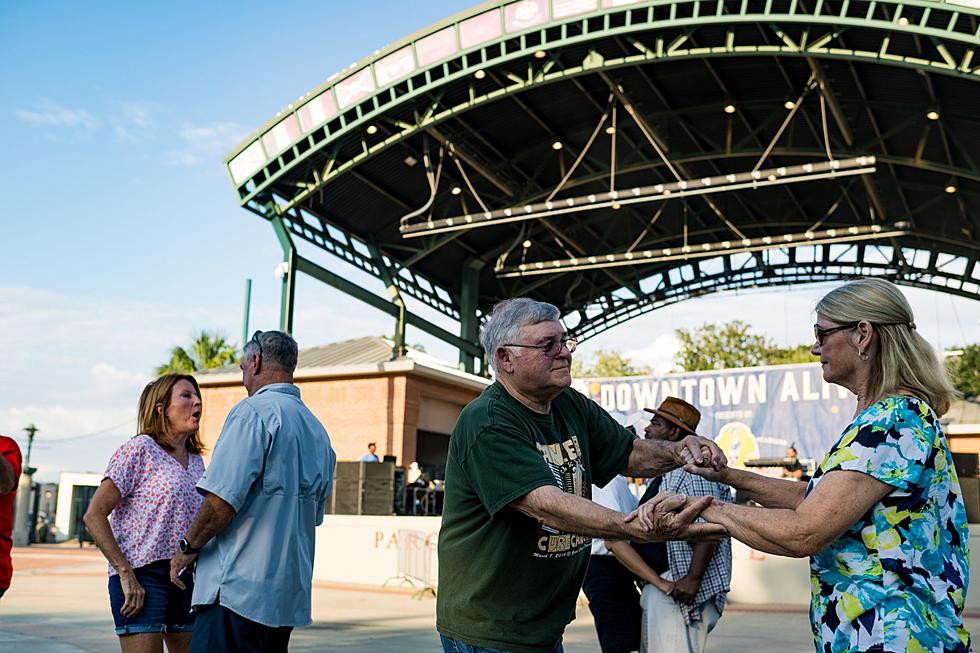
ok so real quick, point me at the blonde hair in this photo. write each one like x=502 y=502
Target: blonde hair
x=905 y=363
x=155 y=424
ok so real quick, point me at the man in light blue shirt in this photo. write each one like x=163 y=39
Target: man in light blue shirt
x=265 y=492
x=370 y=456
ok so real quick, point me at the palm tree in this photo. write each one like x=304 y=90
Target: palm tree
x=209 y=350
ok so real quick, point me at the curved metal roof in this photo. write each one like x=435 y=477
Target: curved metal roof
x=614 y=156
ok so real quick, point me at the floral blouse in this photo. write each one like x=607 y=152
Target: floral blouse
x=159 y=500
x=897 y=579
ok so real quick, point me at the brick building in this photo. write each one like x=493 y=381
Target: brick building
x=407 y=406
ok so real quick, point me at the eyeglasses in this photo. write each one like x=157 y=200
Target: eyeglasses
x=551 y=348
x=820 y=333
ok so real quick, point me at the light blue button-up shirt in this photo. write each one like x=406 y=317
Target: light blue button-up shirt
x=274 y=465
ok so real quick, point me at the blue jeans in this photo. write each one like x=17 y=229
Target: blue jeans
x=456 y=646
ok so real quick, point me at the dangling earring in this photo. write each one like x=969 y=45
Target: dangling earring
x=863 y=355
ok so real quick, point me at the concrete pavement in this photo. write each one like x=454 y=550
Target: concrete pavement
x=58 y=603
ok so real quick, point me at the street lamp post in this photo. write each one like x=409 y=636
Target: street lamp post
x=22 y=525
x=31 y=430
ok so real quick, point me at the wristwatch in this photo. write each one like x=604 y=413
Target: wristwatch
x=185 y=547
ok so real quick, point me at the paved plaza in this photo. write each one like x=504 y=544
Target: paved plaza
x=58 y=604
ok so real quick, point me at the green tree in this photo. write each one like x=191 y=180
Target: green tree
x=606 y=363
x=209 y=349
x=789 y=355
x=714 y=347
x=965 y=371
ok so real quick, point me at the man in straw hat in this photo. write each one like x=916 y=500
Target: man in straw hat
x=696 y=575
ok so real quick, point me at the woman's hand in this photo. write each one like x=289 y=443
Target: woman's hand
x=708 y=473
x=644 y=512
x=695 y=450
x=133 y=593
x=662 y=518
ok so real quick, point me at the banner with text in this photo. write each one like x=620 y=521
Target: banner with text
x=753 y=412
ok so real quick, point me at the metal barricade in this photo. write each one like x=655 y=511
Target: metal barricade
x=418 y=561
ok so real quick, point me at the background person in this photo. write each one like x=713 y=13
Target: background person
x=10 y=466
x=678 y=618
x=517 y=524
x=610 y=587
x=792 y=468
x=882 y=518
x=370 y=456
x=148 y=487
x=265 y=493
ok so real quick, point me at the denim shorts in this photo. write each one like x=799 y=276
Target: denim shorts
x=166 y=607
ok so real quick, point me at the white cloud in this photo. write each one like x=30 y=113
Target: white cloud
x=135 y=123
x=221 y=132
x=58 y=422
x=79 y=366
x=53 y=115
x=69 y=438
x=658 y=355
x=185 y=159
x=138 y=114
x=106 y=375
x=205 y=142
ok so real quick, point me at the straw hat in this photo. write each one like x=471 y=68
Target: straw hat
x=678 y=412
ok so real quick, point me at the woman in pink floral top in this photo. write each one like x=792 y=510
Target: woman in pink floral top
x=149 y=487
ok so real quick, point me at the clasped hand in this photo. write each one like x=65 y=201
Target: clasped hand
x=701 y=452
x=670 y=516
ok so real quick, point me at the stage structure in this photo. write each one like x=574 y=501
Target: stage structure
x=616 y=156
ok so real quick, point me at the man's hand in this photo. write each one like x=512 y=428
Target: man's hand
x=685 y=589
x=668 y=501
x=695 y=450
x=178 y=564
x=659 y=519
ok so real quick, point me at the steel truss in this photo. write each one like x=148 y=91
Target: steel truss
x=804 y=30
x=930 y=269
x=282 y=187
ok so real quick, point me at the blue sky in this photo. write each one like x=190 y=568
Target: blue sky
x=121 y=234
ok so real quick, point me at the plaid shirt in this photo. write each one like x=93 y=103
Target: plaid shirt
x=718 y=575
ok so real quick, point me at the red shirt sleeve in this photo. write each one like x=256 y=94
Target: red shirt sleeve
x=11 y=453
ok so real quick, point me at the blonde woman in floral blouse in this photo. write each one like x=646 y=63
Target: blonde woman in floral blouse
x=882 y=519
x=149 y=488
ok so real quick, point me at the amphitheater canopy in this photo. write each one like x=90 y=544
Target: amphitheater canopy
x=616 y=156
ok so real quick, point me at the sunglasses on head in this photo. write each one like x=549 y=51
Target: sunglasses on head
x=255 y=339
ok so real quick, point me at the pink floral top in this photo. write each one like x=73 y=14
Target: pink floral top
x=159 y=500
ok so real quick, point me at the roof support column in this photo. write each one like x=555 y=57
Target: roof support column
x=400 y=349
x=469 y=301
x=288 y=270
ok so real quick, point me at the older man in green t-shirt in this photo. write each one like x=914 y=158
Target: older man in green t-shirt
x=518 y=522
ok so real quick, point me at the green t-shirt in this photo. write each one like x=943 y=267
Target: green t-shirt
x=505 y=580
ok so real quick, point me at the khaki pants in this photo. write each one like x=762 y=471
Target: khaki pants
x=663 y=629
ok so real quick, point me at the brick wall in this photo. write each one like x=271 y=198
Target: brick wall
x=355 y=410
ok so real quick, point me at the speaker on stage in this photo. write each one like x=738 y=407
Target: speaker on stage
x=362 y=488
